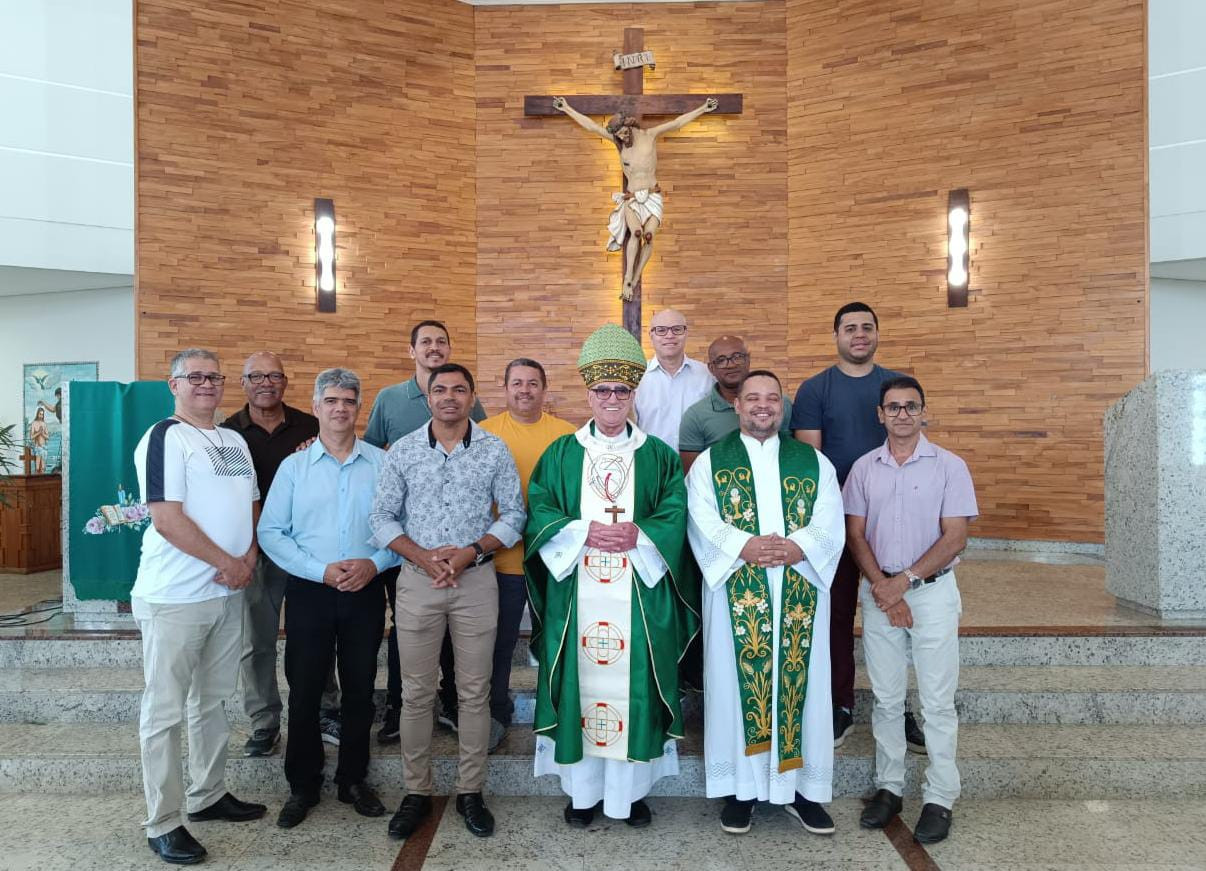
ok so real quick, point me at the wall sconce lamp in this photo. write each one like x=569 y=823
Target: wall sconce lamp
x=958 y=252
x=324 y=253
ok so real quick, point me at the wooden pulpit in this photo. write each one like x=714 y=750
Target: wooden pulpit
x=30 y=537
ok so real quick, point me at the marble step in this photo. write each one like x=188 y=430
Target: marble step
x=1070 y=695
x=995 y=761
x=974 y=650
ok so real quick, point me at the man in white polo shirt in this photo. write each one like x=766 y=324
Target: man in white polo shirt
x=197 y=557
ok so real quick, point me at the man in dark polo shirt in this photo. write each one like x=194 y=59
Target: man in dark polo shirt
x=273 y=431
x=399 y=410
x=837 y=412
x=713 y=417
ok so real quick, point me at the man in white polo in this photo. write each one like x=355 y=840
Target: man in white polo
x=197 y=557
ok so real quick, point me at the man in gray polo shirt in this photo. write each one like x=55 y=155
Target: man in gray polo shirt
x=399 y=410
x=713 y=417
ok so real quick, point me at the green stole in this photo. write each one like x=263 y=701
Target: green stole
x=749 y=599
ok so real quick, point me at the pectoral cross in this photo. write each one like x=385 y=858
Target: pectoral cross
x=615 y=511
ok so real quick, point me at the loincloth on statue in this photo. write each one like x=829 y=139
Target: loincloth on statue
x=645 y=204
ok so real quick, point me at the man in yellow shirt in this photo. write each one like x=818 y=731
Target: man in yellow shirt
x=527 y=430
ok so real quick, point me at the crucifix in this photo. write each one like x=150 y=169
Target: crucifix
x=615 y=511
x=637 y=215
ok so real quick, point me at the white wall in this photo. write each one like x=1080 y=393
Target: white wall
x=1177 y=129
x=64 y=327
x=67 y=135
x=1178 y=315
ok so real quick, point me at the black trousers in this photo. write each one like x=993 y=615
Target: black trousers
x=322 y=624
x=512 y=597
x=393 y=684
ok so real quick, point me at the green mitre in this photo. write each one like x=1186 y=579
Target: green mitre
x=611 y=354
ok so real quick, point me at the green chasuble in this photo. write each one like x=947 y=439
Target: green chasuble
x=664 y=618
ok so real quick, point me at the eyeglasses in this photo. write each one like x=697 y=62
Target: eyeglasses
x=258 y=377
x=893 y=409
x=607 y=392
x=198 y=378
x=730 y=359
x=677 y=329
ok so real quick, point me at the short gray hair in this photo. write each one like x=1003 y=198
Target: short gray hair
x=344 y=379
x=187 y=354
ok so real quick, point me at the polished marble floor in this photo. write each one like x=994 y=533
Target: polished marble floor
x=52 y=832
x=1003 y=591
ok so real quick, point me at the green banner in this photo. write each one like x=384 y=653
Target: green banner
x=105 y=512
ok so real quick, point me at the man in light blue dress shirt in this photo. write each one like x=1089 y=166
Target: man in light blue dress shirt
x=315 y=526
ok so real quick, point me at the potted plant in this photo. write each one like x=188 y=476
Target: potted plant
x=8 y=447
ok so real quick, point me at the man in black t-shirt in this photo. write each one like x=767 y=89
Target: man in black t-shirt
x=272 y=431
x=835 y=412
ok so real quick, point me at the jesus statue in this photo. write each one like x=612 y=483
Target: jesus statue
x=638 y=210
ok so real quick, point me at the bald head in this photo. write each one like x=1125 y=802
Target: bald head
x=668 y=332
x=264 y=382
x=728 y=361
x=263 y=361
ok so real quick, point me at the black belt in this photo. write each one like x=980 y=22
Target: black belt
x=928 y=580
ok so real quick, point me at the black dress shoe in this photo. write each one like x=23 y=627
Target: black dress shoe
x=884 y=805
x=230 y=809
x=390 y=726
x=478 y=819
x=362 y=799
x=639 y=815
x=914 y=736
x=580 y=818
x=295 y=809
x=411 y=814
x=177 y=847
x=934 y=824
x=262 y=742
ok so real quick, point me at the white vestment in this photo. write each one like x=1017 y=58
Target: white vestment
x=645 y=204
x=717 y=548
x=604 y=591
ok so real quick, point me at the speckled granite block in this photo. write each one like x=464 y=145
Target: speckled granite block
x=1155 y=495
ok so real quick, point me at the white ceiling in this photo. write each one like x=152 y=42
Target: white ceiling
x=21 y=280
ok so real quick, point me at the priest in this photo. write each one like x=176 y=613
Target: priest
x=767 y=528
x=612 y=609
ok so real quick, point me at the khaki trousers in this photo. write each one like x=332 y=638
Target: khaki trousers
x=470 y=613
x=190 y=655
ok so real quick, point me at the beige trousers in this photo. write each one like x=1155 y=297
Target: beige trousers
x=190 y=655
x=470 y=613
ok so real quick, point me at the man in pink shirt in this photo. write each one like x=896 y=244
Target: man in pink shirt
x=908 y=504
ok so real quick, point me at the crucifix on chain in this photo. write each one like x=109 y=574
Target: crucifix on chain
x=637 y=216
x=615 y=511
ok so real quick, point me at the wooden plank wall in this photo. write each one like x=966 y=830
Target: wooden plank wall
x=859 y=117
x=1036 y=106
x=544 y=185
x=249 y=110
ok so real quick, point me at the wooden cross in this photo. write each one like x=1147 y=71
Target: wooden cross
x=27 y=457
x=615 y=511
x=633 y=102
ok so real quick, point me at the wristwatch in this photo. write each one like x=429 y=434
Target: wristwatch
x=915 y=579
x=478 y=553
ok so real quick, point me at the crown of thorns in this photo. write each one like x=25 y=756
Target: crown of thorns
x=617 y=121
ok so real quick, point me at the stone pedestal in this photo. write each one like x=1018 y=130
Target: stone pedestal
x=1155 y=495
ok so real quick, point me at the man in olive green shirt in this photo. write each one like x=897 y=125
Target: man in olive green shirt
x=713 y=417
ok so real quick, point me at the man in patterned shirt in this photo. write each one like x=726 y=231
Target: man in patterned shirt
x=434 y=507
